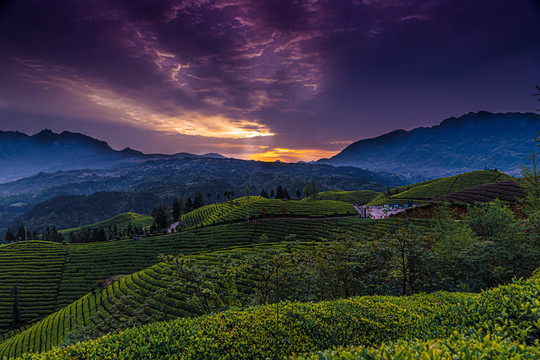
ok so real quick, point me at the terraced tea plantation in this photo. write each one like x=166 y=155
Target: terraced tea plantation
x=35 y=268
x=352 y=197
x=506 y=191
x=167 y=301
x=121 y=221
x=88 y=263
x=261 y=208
x=500 y=323
x=425 y=191
x=64 y=273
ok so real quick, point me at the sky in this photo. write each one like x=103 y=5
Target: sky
x=261 y=79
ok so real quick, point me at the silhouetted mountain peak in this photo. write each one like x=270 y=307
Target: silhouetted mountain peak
x=458 y=144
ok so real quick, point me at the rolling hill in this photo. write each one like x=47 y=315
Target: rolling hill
x=428 y=190
x=75 y=268
x=503 y=324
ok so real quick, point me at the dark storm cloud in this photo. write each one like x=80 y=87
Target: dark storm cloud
x=312 y=73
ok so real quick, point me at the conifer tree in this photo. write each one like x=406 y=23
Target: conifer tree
x=286 y=194
x=279 y=192
x=176 y=209
x=21 y=233
x=198 y=200
x=10 y=237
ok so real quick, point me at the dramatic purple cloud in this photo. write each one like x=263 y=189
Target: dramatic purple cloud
x=261 y=79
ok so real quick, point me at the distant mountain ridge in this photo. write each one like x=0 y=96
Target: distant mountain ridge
x=23 y=155
x=470 y=142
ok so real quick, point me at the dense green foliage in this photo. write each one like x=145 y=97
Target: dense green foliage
x=429 y=190
x=68 y=272
x=184 y=290
x=505 y=320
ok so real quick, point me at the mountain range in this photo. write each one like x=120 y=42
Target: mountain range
x=22 y=155
x=471 y=142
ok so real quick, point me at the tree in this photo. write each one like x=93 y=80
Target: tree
x=490 y=220
x=279 y=192
x=10 y=237
x=311 y=189
x=176 y=209
x=21 y=233
x=161 y=215
x=272 y=195
x=264 y=193
x=412 y=247
x=286 y=194
x=453 y=243
x=198 y=200
x=189 y=204
x=298 y=194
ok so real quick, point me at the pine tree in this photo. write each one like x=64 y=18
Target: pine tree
x=298 y=194
x=189 y=204
x=279 y=192
x=272 y=195
x=286 y=194
x=162 y=216
x=21 y=233
x=10 y=237
x=176 y=208
x=264 y=193
x=198 y=200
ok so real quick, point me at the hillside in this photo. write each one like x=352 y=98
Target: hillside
x=507 y=191
x=351 y=197
x=471 y=142
x=75 y=269
x=421 y=192
x=119 y=223
x=504 y=325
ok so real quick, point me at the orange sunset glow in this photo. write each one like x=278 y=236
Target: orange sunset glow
x=291 y=155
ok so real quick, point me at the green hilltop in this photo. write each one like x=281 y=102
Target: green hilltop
x=428 y=190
